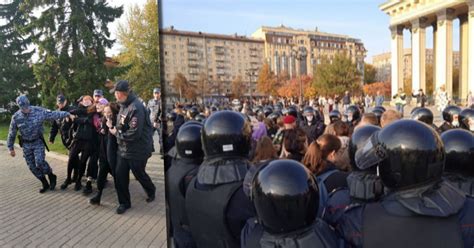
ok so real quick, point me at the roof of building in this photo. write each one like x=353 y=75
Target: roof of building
x=284 y=29
x=235 y=37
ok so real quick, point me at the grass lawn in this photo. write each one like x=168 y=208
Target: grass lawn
x=56 y=147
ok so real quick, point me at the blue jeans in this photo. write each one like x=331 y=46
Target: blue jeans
x=400 y=109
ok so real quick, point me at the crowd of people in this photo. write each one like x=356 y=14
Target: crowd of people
x=279 y=175
x=102 y=137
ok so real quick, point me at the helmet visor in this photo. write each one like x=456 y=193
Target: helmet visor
x=371 y=154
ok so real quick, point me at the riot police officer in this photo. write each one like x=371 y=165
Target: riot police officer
x=216 y=205
x=424 y=115
x=353 y=116
x=29 y=122
x=419 y=208
x=183 y=170
x=135 y=145
x=450 y=117
x=312 y=124
x=286 y=199
x=459 y=169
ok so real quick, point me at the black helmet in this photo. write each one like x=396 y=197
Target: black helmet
x=410 y=153
x=459 y=148
x=382 y=108
x=284 y=111
x=257 y=109
x=424 y=115
x=353 y=111
x=292 y=110
x=378 y=113
x=267 y=111
x=466 y=119
x=214 y=109
x=171 y=116
x=188 y=141
x=334 y=116
x=285 y=196
x=277 y=107
x=274 y=117
x=449 y=112
x=414 y=109
x=193 y=111
x=200 y=117
x=226 y=133
x=357 y=141
x=308 y=110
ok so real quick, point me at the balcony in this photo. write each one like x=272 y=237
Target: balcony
x=192 y=44
x=193 y=65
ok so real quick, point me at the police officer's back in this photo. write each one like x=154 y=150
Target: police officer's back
x=183 y=170
x=216 y=205
x=419 y=208
x=286 y=198
x=459 y=169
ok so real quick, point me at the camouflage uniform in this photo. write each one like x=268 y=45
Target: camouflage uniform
x=30 y=126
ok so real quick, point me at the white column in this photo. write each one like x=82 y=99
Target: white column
x=471 y=48
x=444 y=51
x=418 y=55
x=464 y=51
x=397 y=58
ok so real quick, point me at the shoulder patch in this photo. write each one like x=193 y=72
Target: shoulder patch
x=134 y=122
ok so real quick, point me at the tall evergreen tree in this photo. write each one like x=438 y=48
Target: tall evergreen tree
x=140 y=40
x=73 y=36
x=16 y=73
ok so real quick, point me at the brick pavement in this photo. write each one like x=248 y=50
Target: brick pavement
x=66 y=219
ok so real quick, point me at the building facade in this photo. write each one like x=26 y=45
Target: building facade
x=211 y=59
x=217 y=59
x=298 y=51
x=383 y=63
x=416 y=16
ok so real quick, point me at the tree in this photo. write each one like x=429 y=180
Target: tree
x=140 y=54
x=72 y=36
x=238 y=87
x=336 y=77
x=429 y=79
x=266 y=81
x=16 y=73
x=370 y=74
x=384 y=88
x=180 y=84
x=407 y=85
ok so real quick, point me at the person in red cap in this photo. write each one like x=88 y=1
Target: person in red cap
x=289 y=122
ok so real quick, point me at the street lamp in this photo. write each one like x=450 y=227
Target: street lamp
x=300 y=55
x=250 y=72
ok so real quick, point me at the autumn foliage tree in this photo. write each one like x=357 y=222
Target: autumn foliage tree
x=238 y=87
x=371 y=89
x=336 y=77
x=291 y=88
x=266 y=81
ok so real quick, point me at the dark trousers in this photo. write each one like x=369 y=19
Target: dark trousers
x=104 y=169
x=79 y=165
x=122 y=178
x=92 y=167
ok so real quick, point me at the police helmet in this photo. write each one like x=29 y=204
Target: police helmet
x=267 y=111
x=285 y=196
x=409 y=153
x=354 y=112
x=378 y=113
x=292 y=110
x=188 y=142
x=357 y=141
x=226 y=133
x=424 y=115
x=308 y=110
x=459 y=148
x=334 y=116
x=193 y=111
x=382 y=108
x=200 y=117
x=171 y=116
x=449 y=112
x=466 y=118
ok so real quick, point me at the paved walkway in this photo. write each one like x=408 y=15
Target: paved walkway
x=66 y=219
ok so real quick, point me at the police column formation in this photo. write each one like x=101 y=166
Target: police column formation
x=274 y=175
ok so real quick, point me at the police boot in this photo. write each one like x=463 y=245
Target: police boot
x=88 y=189
x=96 y=199
x=78 y=185
x=65 y=184
x=45 y=185
x=52 y=180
